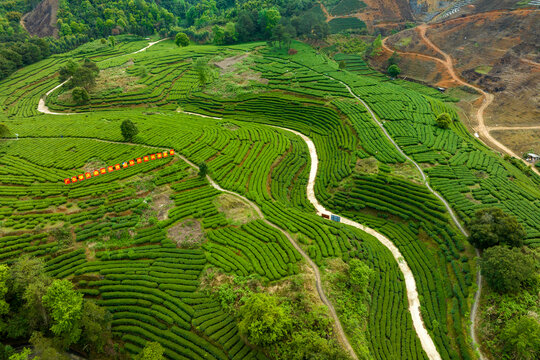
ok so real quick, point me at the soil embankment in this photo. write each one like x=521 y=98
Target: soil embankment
x=41 y=21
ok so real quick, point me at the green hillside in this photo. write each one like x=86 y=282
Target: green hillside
x=226 y=266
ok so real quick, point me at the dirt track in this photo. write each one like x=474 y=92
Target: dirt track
x=410 y=285
x=487 y=98
x=43 y=108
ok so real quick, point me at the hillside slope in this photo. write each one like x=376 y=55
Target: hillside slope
x=495 y=50
x=42 y=20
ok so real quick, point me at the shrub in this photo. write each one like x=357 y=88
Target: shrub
x=181 y=39
x=394 y=70
x=443 y=120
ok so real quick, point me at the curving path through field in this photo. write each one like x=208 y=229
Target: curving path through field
x=42 y=108
x=318 y=282
x=410 y=285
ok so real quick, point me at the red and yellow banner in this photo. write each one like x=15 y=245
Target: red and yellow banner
x=125 y=164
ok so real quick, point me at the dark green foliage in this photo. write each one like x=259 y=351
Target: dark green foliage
x=93 y=18
x=80 y=96
x=393 y=70
x=181 y=39
x=492 y=226
x=128 y=129
x=46 y=348
x=521 y=337
x=203 y=170
x=96 y=327
x=6 y=351
x=264 y=320
x=507 y=270
x=443 y=120
x=394 y=59
x=79 y=75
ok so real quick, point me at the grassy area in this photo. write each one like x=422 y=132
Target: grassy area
x=483 y=69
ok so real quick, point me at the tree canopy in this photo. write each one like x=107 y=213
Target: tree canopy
x=443 y=120
x=506 y=270
x=79 y=75
x=264 y=320
x=521 y=337
x=4 y=275
x=80 y=95
x=203 y=170
x=66 y=307
x=128 y=129
x=151 y=351
x=4 y=130
x=181 y=39
x=394 y=70
x=492 y=226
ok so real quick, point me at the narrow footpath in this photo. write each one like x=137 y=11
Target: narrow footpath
x=342 y=337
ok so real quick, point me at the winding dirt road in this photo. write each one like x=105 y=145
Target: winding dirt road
x=410 y=285
x=318 y=282
x=412 y=293
x=487 y=98
x=43 y=108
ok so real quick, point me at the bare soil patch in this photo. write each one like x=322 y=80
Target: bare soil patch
x=186 y=234
x=94 y=164
x=161 y=203
x=227 y=63
x=235 y=210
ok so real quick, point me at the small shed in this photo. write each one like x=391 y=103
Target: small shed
x=532 y=157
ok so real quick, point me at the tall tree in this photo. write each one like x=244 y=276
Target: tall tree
x=264 y=320
x=492 y=226
x=394 y=70
x=128 y=129
x=65 y=306
x=203 y=170
x=521 y=338
x=268 y=19
x=4 y=130
x=506 y=270
x=4 y=306
x=443 y=120
x=219 y=35
x=96 y=327
x=245 y=25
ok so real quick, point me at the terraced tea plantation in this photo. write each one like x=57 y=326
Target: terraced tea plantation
x=156 y=244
